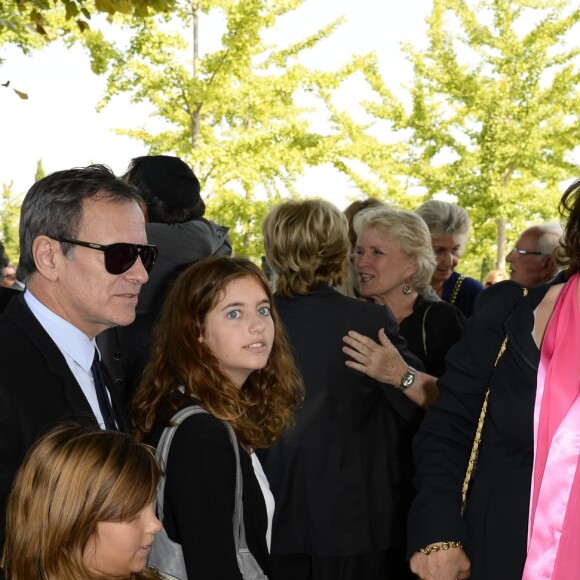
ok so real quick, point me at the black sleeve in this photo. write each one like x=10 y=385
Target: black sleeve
x=392 y=332
x=442 y=446
x=199 y=498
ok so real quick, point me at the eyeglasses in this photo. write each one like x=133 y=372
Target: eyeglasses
x=526 y=253
x=121 y=256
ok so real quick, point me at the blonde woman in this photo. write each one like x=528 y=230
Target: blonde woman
x=81 y=508
x=394 y=261
x=340 y=477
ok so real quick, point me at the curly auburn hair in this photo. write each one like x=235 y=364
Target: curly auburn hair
x=258 y=411
x=569 y=207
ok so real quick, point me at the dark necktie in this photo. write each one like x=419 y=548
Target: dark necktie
x=102 y=395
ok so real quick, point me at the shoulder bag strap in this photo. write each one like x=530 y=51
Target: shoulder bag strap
x=239 y=528
x=163 y=450
x=424 y=329
x=472 y=463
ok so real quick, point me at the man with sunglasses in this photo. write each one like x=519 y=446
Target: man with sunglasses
x=532 y=260
x=84 y=258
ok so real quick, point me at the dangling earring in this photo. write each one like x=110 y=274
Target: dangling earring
x=406 y=288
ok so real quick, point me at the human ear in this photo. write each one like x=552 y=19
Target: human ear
x=46 y=253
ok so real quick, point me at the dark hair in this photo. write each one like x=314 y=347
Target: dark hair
x=140 y=175
x=262 y=407
x=4 y=261
x=356 y=207
x=569 y=253
x=53 y=207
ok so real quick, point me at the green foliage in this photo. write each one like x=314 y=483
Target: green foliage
x=10 y=215
x=495 y=112
x=31 y=24
x=240 y=115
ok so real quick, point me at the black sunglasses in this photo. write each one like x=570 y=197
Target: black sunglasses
x=121 y=256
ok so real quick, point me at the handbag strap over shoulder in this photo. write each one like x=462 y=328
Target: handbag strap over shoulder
x=163 y=453
x=163 y=446
x=472 y=463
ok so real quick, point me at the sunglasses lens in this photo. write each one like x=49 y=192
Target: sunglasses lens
x=148 y=256
x=120 y=257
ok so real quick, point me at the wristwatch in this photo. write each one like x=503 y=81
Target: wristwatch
x=407 y=379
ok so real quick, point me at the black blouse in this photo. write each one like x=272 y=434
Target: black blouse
x=431 y=330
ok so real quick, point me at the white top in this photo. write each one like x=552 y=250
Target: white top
x=76 y=347
x=268 y=497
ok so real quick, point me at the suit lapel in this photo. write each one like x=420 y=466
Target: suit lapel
x=20 y=314
x=519 y=326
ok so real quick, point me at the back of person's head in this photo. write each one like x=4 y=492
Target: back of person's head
x=550 y=238
x=53 y=207
x=169 y=187
x=410 y=231
x=306 y=244
x=356 y=207
x=4 y=261
x=445 y=219
x=72 y=479
x=494 y=276
x=260 y=409
x=568 y=255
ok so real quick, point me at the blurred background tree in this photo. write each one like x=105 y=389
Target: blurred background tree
x=240 y=115
x=494 y=116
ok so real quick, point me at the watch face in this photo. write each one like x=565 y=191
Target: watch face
x=408 y=379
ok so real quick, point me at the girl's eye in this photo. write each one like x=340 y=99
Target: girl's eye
x=233 y=314
x=264 y=311
x=378 y=253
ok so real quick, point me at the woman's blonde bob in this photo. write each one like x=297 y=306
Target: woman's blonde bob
x=72 y=479
x=307 y=245
x=410 y=231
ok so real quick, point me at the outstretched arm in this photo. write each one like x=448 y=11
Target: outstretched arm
x=383 y=362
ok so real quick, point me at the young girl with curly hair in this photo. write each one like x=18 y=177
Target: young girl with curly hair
x=218 y=344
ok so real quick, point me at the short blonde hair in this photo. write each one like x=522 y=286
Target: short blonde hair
x=72 y=479
x=306 y=244
x=410 y=231
x=445 y=219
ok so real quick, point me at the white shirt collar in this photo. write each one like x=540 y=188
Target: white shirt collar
x=69 y=339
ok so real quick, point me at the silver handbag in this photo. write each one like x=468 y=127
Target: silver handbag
x=166 y=557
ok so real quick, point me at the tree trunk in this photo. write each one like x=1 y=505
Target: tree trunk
x=501 y=251
x=195 y=114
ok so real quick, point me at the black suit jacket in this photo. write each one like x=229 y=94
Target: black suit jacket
x=339 y=477
x=494 y=527
x=37 y=392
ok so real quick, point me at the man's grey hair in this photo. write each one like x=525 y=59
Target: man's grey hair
x=53 y=207
x=550 y=240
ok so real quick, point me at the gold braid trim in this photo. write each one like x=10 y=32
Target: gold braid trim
x=439 y=547
x=471 y=464
x=456 y=288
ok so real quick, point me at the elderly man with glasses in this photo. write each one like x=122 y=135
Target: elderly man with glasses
x=84 y=258
x=532 y=261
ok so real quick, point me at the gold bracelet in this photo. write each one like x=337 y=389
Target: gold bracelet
x=442 y=546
